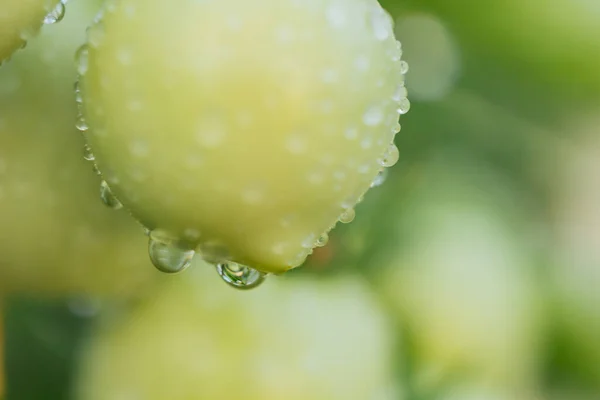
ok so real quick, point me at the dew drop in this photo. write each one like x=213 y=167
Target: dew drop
x=391 y=157
x=81 y=125
x=108 y=198
x=403 y=106
x=403 y=67
x=240 y=276
x=168 y=255
x=335 y=16
x=56 y=15
x=87 y=153
x=380 y=178
x=381 y=24
x=400 y=93
x=348 y=216
x=322 y=240
x=373 y=116
x=81 y=59
x=78 y=95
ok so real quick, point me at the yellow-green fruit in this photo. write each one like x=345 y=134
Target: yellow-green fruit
x=462 y=285
x=247 y=126
x=21 y=19
x=56 y=235
x=198 y=339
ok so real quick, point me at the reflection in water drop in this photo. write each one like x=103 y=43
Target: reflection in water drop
x=56 y=15
x=108 y=197
x=240 y=276
x=169 y=255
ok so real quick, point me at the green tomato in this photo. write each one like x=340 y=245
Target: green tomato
x=198 y=339
x=56 y=236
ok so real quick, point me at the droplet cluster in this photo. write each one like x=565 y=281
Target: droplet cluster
x=248 y=164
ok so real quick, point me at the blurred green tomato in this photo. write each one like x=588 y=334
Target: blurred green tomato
x=577 y=275
x=57 y=237
x=461 y=284
x=21 y=19
x=293 y=339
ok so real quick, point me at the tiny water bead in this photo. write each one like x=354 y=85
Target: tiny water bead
x=167 y=254
x=380 y=178
x=82 y=59
x=240 y=276
x=56 y=14
x=391 y=157
x=348 y=216
x=322 y=240
x=87 y=153
x=108 y=198
x=403 y=106
x=81 y=124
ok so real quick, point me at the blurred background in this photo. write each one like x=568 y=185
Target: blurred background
x=473 y=273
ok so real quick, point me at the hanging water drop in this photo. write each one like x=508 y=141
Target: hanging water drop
x=108 y=197
x=240 y=276
x=56 y=14
x=87 y=153
x=391 y=157
x=168 y=255
x=380 y=178
x=348 y=216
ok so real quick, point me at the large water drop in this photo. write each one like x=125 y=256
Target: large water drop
x=240 y=276
x=169 y=255
x=56 y=14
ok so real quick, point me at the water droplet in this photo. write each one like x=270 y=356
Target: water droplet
x=403 y=67
x=322 y=240
x=56 y=14
x=400 y=93
x=348 y=216
x=335 y=16
x=362 y=63
x=351 y=133
x=380 y=23
x=168 y=255
x=373 y=116
x=397 y=128
x=81 y=125
x=403 y=106
x=108 y=197
x=78 y=95
x=87 y=153
x=391 y=157
x=240 y=276
x=81 y=59
x=380 y=178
